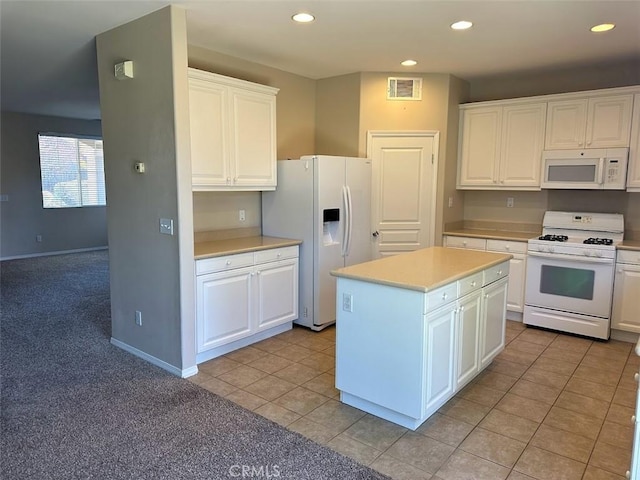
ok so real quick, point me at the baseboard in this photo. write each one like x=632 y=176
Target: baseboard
x=623 y=336
x=58 y=252
x=183 y=373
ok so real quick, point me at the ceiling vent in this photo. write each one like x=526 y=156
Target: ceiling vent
x=404 y=88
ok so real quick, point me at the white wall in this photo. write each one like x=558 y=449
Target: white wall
x=145 y=119
x=22 y=216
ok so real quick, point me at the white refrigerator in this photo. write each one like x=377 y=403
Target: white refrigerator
x=325 y=201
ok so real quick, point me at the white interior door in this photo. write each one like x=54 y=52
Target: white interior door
x=403 y=189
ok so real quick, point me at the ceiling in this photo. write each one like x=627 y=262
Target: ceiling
x=48 y=59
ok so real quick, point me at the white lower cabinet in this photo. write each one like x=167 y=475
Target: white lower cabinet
x=244 y=298
x=626 y=291
x=517 y=265
x=405 y=353
x=492 y=327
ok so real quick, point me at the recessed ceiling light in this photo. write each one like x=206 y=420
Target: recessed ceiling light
x=461 y=25
x=303 y=18
x=603 y=27
x=408 y=63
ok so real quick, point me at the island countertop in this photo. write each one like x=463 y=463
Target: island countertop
x=424 y=269
x=219 y=248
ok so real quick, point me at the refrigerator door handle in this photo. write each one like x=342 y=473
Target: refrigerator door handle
x=345 y=223
x=349 y=220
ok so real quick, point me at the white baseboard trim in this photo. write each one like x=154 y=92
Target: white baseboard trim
x=46 y=254
x=182 y=373
x=623 y=336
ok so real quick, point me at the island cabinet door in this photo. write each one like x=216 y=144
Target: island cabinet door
x=494 y=301
x=440 y=356
x=468 y=333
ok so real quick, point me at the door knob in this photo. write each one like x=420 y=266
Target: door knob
x=376 y=233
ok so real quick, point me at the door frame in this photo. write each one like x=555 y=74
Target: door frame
x=435 y=134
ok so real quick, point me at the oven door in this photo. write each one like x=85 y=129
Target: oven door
x=570 y=283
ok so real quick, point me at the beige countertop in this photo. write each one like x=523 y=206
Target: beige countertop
x=219 y=248
x=492 y=234
x=629 y=245
x=424 y=269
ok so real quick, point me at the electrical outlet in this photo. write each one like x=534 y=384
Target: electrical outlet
x=347 y=302
x=509 y=202
x=38 y=238
x=166 y=226
x=450 y=202
x=242 y=215
x=138 y=318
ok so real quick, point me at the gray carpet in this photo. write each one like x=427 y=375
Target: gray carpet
x=76 y=407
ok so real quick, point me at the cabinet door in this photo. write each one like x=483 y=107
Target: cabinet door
x=492 y=320
x=253 y=138
x=515 y=291
x=522 y=144
x=480 y=144
x=626 y=291
x=223 y=307
x=440 y=356
x=277 y=293
x=609 y=121
x=468 y=329
x=208 y=126
x=566 y=124
x=633 y=174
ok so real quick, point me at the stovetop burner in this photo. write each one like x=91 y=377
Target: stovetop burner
x=553 y=238
x=599 y=241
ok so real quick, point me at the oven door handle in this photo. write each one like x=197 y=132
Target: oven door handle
x=571 y=258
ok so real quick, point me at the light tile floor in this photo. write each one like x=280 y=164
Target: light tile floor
x=550 y=406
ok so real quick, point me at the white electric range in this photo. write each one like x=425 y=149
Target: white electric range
x=570 y=272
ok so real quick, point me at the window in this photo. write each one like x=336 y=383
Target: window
x=72 y=171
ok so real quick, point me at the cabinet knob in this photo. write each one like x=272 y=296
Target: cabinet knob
x=464 y=243
x=636 y=376
x=507 y=247
x=633 y=419
x=279 y=255
x=628 y=474
x=473 y=284
x=228 y=262
x=499 y=272
x=376 y=233
x=258 y=272
x=462 y=308
x=228 y=180
x=444 y=296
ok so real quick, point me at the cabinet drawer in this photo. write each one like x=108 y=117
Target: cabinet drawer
x=220 y=264
x=470 y=283
x=274 y=254
x=506 y=246
x=628 y=256
x=495 y=273
x=466 y=242
x=442 y=296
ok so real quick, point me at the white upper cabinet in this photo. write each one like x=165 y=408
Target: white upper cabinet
x=501 y=146
x=480 y=141
x=594 y=122
x=522 y=143
x=233 y=133
x=633 y=174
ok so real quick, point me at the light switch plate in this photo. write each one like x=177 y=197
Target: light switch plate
x=166 y=226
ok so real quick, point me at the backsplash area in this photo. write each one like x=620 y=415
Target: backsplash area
x=529 y=207
x=213 y=211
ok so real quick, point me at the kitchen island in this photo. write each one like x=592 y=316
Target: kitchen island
x=415 y=328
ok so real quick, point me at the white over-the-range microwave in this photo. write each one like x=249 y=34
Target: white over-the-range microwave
x=591 y=169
